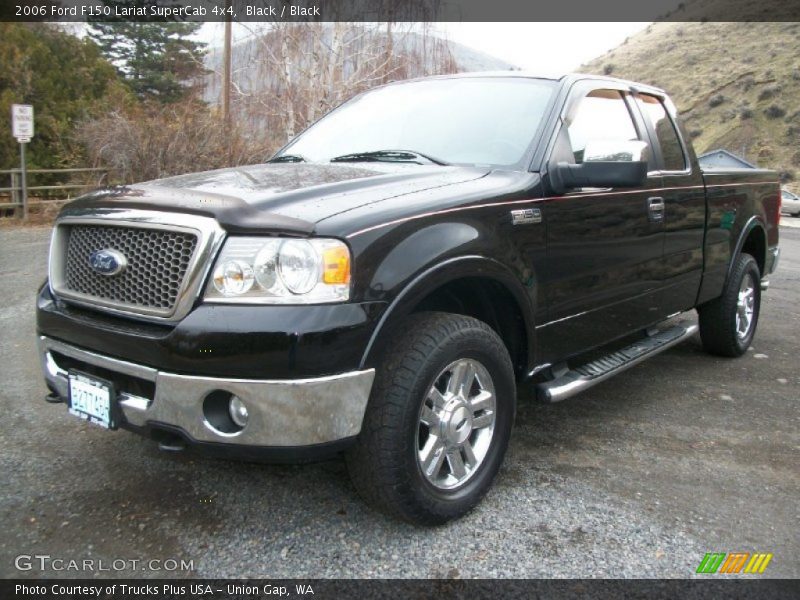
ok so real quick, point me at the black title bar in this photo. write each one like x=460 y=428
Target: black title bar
x=439 y=589
x=399 y=10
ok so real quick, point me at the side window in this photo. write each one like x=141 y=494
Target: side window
x=602 y=115
x=671 y=149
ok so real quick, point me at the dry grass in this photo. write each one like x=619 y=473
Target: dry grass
x=158 y=141
x=40 y=214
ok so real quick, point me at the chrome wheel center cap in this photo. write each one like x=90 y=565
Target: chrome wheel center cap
x=456 y=422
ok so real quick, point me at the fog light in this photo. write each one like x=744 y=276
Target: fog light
x=238 y=411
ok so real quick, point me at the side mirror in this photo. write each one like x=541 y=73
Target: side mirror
x=606 y=164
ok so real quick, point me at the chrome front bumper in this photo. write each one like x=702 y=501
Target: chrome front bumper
x=282 y=413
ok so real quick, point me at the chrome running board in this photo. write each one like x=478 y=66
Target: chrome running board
x=582 y=378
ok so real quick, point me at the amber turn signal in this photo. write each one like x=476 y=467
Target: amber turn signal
x=336 y=265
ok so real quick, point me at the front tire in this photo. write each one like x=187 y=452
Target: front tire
x=728 y=323
x=438 y=421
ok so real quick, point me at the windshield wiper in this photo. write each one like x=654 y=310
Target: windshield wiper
x=389 y=156
x=287 y=158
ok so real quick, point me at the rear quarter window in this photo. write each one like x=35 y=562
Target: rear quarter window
x=671 y=148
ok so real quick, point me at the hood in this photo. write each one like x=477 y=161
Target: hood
x=278 y=197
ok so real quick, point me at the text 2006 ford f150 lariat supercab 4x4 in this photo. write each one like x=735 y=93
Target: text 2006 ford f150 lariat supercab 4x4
x=383 y=284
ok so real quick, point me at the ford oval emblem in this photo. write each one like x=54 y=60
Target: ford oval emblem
x=108 y=262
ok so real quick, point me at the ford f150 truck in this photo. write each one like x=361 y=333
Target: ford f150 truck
x=383 y=284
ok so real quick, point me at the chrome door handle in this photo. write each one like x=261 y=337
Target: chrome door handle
x=655 y=209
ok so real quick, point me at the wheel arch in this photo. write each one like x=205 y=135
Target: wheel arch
x=497 y=297
x=753 y=241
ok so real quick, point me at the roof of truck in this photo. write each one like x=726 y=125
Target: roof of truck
x=551 y=75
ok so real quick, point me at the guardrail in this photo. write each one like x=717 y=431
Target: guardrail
x=43 y=194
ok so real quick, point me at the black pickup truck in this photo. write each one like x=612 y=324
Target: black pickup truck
x=384 y=283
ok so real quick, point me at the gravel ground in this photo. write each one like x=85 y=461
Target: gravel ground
x=638 y=477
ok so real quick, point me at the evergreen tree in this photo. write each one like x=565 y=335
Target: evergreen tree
x=66 y=79
x=156 y=59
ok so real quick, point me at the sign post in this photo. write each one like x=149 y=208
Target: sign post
x=22 y=129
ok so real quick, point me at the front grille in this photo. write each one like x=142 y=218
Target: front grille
x=157 y=263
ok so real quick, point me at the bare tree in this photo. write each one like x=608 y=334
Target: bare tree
x=296 y=72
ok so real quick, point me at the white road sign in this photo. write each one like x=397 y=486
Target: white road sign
x=22 y=122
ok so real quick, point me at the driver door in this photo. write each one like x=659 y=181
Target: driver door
x=604 y=246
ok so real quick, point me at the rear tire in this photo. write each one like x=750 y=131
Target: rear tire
x=446 y=382
x=728 y=323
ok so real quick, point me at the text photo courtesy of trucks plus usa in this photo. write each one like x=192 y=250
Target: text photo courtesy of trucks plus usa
x=303 y=300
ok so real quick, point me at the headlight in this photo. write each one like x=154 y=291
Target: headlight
x=298 y=266
x=280 y=271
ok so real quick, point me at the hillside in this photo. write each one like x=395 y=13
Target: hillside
x=737 y=85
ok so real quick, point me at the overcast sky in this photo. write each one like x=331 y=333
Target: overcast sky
x=542 y=46
x=535 y=46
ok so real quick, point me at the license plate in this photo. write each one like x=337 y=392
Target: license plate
x=92 y=399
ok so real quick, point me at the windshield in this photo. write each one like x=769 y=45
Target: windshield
x=462 y=120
